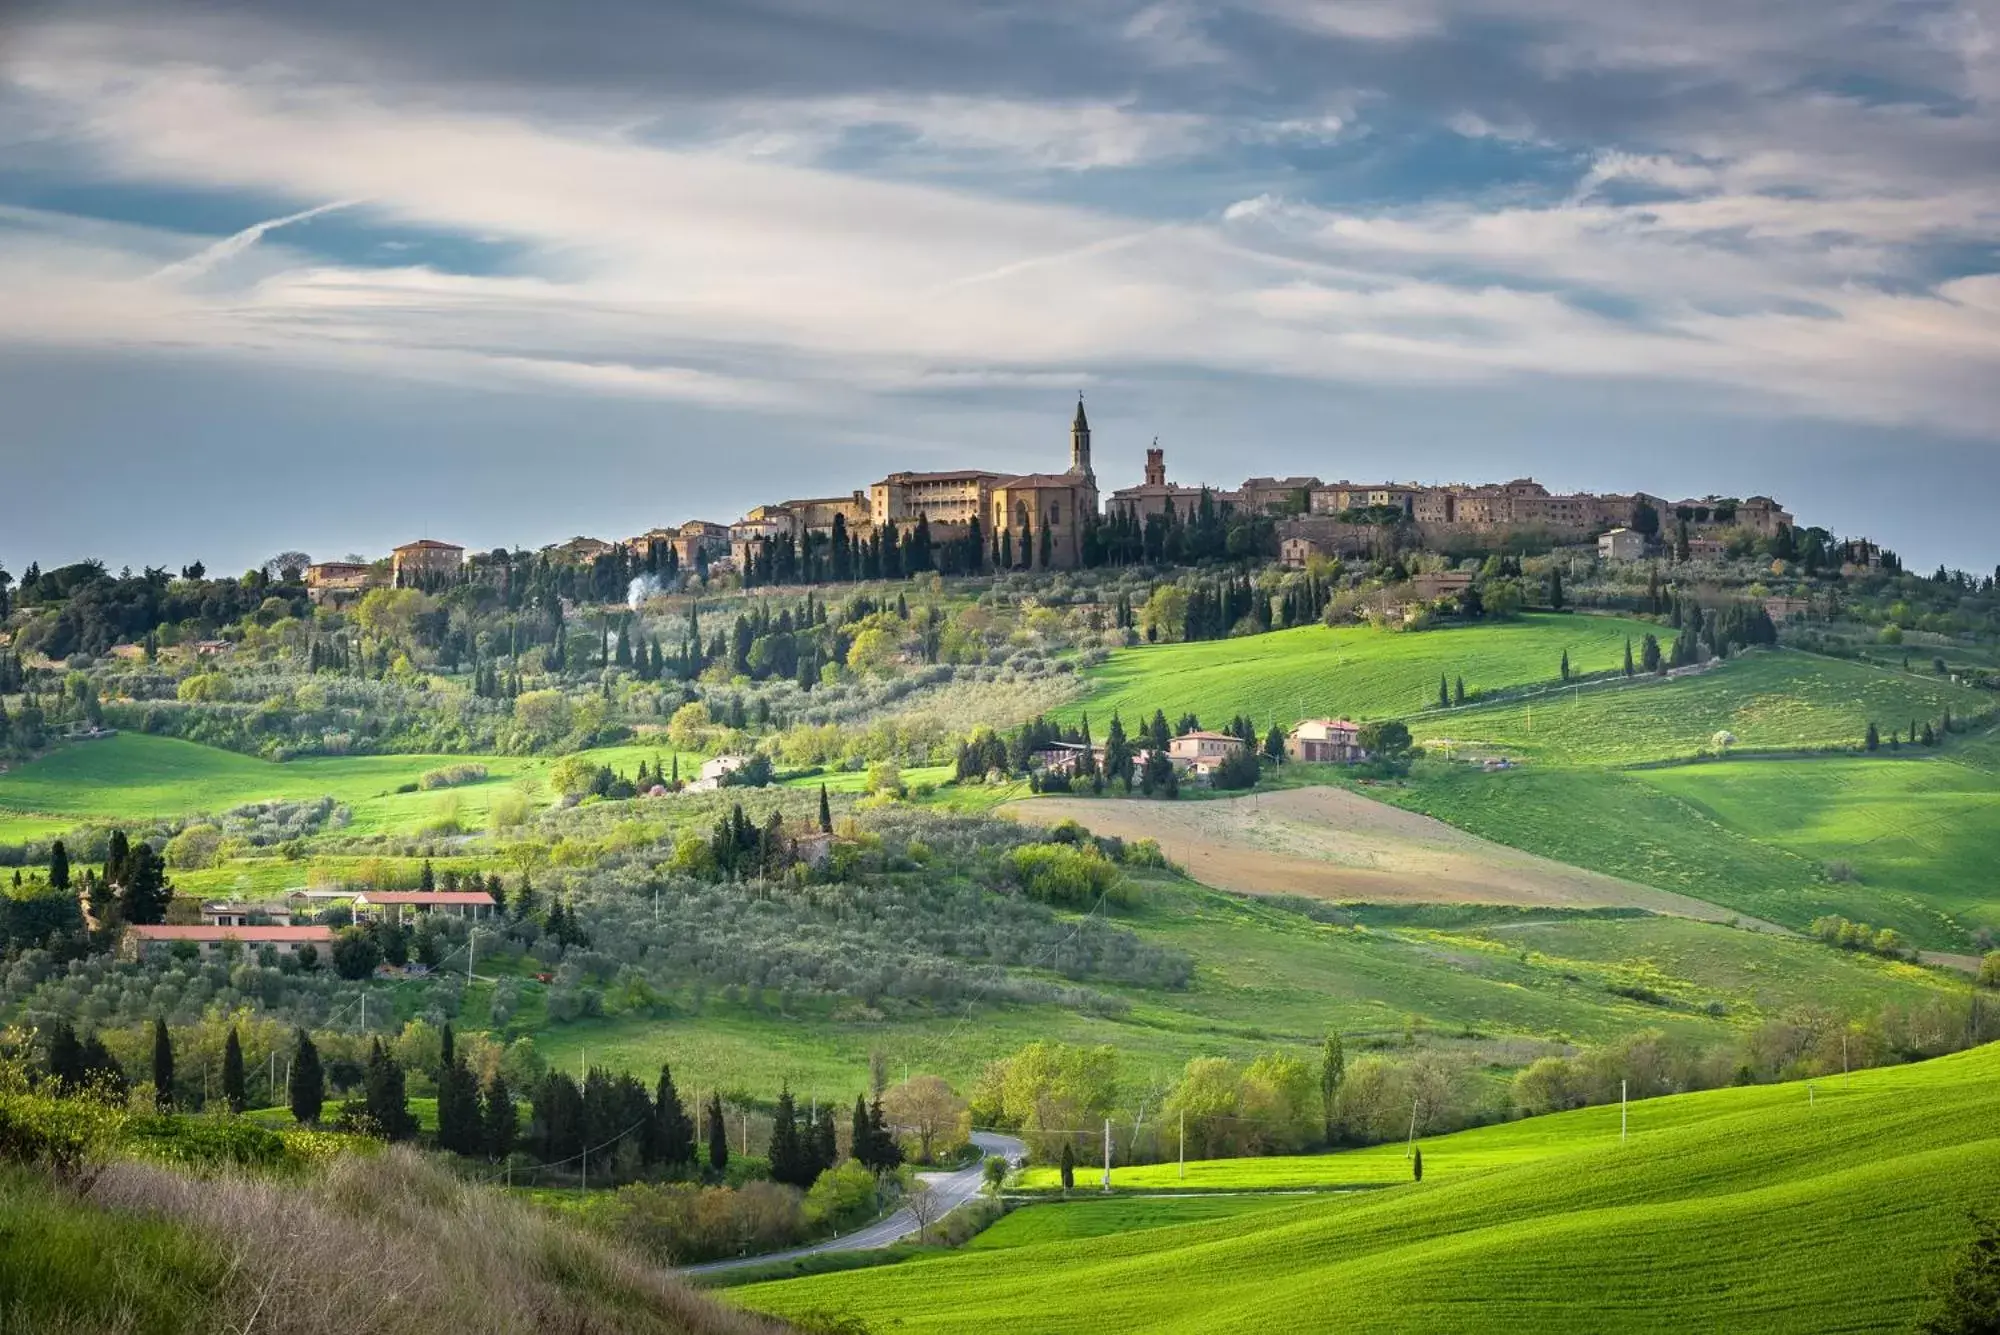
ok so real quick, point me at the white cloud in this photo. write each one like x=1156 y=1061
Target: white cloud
x=722 y=274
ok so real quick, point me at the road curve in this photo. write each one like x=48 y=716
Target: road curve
x=951 y=1189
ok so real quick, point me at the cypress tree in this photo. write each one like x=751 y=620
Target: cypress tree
x=825 y=812
x=1628 y=655
x=1565 y=665
x=882 y=1140
x=306 y=1086
x=825 y=1142
x=1068 y=1168
x=388 y=1106
x=232 y=1072
x=788 y=1162
x=1459 y=691
x=1444 y=692
x=502 y=1121
x=163 y=1066
x=718 y=1135
x=860 y=1140
x=1332 y=1070
x=58 y=866
x=1417 y=1164
x=674 y=1128
x=1873 y=741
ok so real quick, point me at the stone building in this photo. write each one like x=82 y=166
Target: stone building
x=1277 y=495
x=1157 y=496
x=423 y=561
x=338 y=581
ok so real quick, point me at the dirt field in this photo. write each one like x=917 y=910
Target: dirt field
x=1328 y=843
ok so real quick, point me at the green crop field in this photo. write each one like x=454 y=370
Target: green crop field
x=1760 y=836
x=1268 y=977
x=1354 y=670
x=1767 y=1208
x=1914 y=833
x=1773 y=699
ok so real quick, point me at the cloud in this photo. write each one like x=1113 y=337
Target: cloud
x=231 y=246
x=790 y=254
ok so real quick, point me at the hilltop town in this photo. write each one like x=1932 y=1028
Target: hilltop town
x=974 y=520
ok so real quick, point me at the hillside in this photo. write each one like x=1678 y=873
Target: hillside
x=1770 y=700
x=1352 y=670
x=384 y=1244
x=1772 y=1208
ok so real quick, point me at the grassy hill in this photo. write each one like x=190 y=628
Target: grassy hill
x=133 y=777
x=1774 y=699
x=1353 y=670
x=1268 y=976
x=382 y=1244
x=1753 y=1208
x=1918 y=832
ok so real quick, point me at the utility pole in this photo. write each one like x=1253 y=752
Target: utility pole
x=471 y=944
x=1183 y=1144
x=746 y=1135
x=1107 y=1154
x=1621 y=1112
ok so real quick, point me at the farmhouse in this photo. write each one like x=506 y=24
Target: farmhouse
x=1326 y=741
x=212 y=939
x=338 y=580
x=1781 y=610
x=1204 y=749
x=1621 y=544
x=1436 y=584
x=1294 y=552
x=714 y=771
x=1064 y=757
x=392 y=905
x=426 y=559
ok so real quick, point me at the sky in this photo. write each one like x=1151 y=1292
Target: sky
x=289 y=275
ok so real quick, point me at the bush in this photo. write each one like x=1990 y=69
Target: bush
x=452 y=776
x=205 y=1142
x=195 y=848
x=1068 y=875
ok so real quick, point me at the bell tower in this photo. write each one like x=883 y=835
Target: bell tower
x=1079 y=441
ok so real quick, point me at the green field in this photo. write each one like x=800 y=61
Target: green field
x=1920 y=832
x=1084 y=1217
x=1354 y=670
x=1268 y=977
x=1763 y=1208
x=1914 y=832
x=1770 y=700
x=135 y=778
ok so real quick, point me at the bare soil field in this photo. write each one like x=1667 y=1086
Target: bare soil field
x=1329 y=843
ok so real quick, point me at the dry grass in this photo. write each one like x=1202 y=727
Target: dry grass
x=392 y=1244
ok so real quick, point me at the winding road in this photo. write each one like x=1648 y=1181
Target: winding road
x=951 y=1189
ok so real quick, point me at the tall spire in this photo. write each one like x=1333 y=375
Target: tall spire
x=1079 y=440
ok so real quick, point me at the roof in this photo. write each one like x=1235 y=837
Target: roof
x=1211 y=737
x=207 y=932
x=425 y=897
x=430 y=545
x=1344 y=725
x=1033 y=481
x=951 y=475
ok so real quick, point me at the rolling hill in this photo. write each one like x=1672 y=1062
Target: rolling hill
x=1774 y=1208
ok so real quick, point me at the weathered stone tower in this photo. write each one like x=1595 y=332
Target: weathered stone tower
x=1079 y=442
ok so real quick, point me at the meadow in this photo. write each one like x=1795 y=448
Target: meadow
x=135 y=778
x=1778 y=699
x=1354 y=671
x=1782 y=1208
x=1917 y=834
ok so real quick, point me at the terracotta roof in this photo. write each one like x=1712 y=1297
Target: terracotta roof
x=207 y=932
x=1034 y=480
x=1212 y=737
x=430 y=544
x=954 y=475
x=425 y=897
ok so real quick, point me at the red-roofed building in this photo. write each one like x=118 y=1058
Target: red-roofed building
x=212 y=937
x=392 y=905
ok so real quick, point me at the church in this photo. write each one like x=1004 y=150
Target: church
x=1034 y=520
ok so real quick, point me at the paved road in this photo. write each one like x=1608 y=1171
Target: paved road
x=951 y=1189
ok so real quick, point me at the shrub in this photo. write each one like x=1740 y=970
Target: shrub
x=1066 y=874
x=452 y=776
x=195 y=848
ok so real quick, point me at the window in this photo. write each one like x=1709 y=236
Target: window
x=1055 y=514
